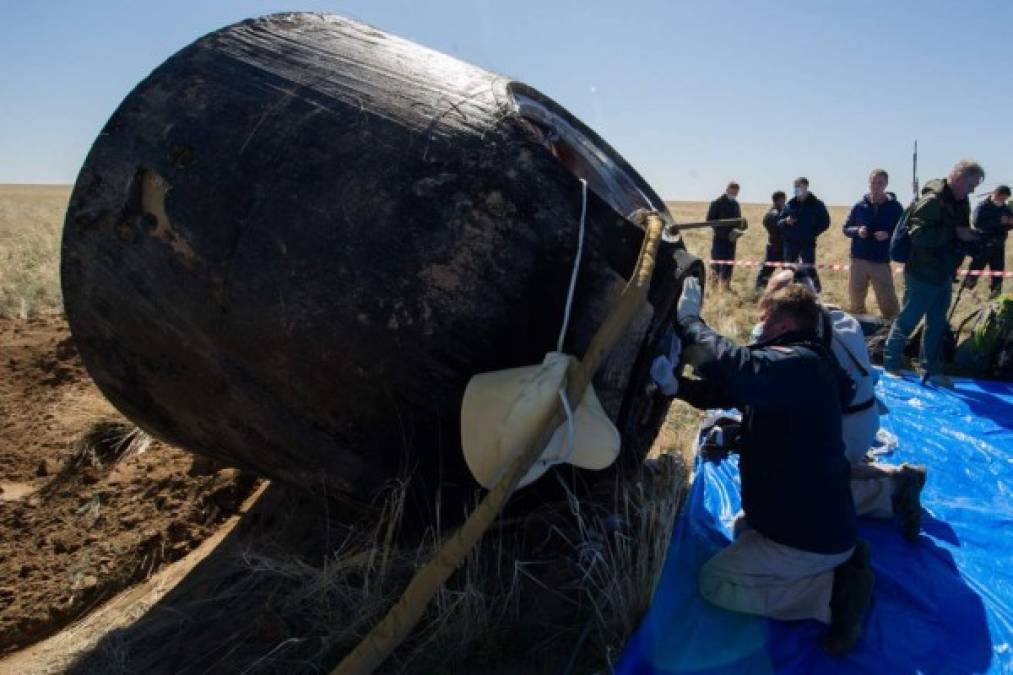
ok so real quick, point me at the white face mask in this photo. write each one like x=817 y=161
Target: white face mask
x=799 y=191
x=732 y=197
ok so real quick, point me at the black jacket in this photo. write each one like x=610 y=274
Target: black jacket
x=812 y=216
x=987 y=219
x=721 y=208
x=796 y=480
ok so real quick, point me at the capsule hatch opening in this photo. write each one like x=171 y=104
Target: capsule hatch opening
x=586 y=156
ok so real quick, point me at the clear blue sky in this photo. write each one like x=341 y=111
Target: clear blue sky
x=691 y=93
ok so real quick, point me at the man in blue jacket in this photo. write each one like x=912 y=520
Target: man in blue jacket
x=870 y=226
x=993 y=219
x=803 y=219
x=796 y=554
x=723 y=244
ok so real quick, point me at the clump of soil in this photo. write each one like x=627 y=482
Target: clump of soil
x=88 y=503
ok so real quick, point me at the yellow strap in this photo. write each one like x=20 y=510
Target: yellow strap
x=384 y=638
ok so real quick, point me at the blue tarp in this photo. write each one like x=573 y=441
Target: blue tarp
x=943 y=604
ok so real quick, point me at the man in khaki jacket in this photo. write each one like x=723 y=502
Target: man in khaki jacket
x=940 y=227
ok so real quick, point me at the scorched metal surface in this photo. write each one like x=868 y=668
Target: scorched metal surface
x=295 y=241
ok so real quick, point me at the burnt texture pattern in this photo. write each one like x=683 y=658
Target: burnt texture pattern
x=294 y=242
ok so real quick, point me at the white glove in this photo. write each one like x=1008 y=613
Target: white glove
x=662 y=372
x=690 y=300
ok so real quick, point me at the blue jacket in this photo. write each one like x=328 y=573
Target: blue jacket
x=796 y=480
x=987 y=219
x=878 y=218
x=813 y=220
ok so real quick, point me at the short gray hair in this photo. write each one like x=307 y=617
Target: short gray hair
x=967 y=167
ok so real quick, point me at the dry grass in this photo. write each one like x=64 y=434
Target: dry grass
x=110 y=440
x=31 y=218
x=558 y=590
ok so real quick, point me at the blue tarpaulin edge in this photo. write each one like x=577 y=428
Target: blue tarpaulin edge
x=940 y=605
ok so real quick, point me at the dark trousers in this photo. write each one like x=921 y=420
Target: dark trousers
x=722 y=249
x=775 y=253
x=994 y=257
x=803 y=252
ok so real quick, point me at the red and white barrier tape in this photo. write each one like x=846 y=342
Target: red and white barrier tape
x=844 y=267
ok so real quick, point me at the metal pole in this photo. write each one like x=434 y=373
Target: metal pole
x=914 y=174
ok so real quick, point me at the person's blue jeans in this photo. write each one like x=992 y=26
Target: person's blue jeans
x=920 y=299
x=803 y=252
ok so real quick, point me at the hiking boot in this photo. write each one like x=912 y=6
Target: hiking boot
x=907 y=506
x=852 y=594
x=941 y=380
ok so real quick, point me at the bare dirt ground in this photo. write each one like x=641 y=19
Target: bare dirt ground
x=87 y=504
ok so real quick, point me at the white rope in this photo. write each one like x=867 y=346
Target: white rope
x=567 y=455
x=576 y=265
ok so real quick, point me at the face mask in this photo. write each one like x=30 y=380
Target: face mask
x=731 y=197
x=799 y=191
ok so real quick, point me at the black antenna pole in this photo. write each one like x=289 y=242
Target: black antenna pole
x=914 y=173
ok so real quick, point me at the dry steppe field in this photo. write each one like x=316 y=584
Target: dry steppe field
x=31 y=217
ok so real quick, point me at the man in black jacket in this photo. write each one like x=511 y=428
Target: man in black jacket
x=796 y=554
x=775 y=243
x=993 y=219
x=803 y=219
x=723 y=244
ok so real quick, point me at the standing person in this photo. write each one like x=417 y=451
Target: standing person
x=723 y=244
x=775 y=243
x=993 y=219
x=804 y=218
x=870 y=226
x=938 y=225
x=796 y=554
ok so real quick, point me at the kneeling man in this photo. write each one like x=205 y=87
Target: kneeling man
x=795 y=553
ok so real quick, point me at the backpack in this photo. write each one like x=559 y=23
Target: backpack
x=900 y=242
